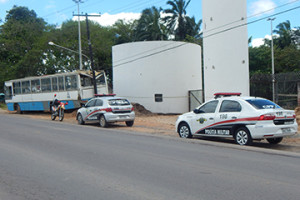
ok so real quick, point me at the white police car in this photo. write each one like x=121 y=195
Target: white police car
x=243 y=118
x=106 y=109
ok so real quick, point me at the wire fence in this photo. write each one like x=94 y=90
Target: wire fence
x=286 y=88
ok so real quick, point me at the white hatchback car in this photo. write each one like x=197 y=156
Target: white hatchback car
x=106 y=109
x=243 y=118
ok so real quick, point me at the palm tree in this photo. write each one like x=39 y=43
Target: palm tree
x=285 y=34
x=124 y=31
x=150 y=26
x=176 y=18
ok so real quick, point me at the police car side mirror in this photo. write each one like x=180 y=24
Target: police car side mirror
x=197 y=111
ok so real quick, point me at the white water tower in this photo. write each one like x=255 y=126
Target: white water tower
x=225 y=47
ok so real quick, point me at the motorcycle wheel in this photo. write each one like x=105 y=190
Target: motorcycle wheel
x=53 y=116
x=61 y=114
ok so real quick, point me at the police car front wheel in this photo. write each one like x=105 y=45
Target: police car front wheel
x=184 y=130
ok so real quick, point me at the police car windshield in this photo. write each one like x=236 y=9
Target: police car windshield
x=118 y=102
x=262 y=104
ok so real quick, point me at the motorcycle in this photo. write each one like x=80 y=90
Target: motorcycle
x=58 y=111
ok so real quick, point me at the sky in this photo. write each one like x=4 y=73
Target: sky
x=57 y=11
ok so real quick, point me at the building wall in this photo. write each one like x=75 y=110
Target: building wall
x=143 y=69
x=225 y=46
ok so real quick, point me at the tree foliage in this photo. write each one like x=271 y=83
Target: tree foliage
x=150 y=26
x=25 y=50
x=21 y=37
x=286 y=51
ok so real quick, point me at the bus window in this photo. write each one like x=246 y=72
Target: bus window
x=26 y=87
x=71 y=82
x=100 y=79
x=8 y=92
x=61 y=84
x=17 y=87
x=35 y=86
x=85 y=81
x=46 y=85
x=54 y=84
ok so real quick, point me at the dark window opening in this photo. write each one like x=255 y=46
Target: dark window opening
x=158 y=97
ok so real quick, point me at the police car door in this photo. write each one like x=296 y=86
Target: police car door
x=227 y=116
x=204 y=117
x=89 y=108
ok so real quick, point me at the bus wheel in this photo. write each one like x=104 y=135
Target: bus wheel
x=18 y=109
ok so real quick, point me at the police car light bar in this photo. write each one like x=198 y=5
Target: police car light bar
x=105 y=95
x=226 y=94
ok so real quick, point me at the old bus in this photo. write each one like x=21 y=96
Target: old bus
x=37 y=93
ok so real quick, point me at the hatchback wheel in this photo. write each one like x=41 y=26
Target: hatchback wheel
x=80 y=119
x=102 y=121
x=242 y=136
x=129 y=123
x=184 y=131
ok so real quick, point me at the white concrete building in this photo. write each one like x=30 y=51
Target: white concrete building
x=225 y=47
x=157 y=74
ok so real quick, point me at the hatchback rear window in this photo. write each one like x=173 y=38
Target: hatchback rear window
x=262 y=104
x=118 y=102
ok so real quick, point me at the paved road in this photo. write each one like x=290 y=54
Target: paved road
x=41 y=160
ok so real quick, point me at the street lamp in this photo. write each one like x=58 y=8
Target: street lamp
x=79 y=35
x=90 y=60
x=65 y=48
x=272 y=54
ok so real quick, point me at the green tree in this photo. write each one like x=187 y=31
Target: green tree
x=150 y=26
x=102 y=39
x=287 y=59
x=193 y=28
x=259 y=60
x=176 y=18
x=124 y=31
x=285 y=35
x=20 y=39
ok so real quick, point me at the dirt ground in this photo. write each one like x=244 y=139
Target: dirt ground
x=165 y=125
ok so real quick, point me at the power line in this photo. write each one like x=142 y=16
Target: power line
x=138 y=3
x=225 y=30
x=135 y=5
x=247 y=23
x=152 y=54
x=251 y=16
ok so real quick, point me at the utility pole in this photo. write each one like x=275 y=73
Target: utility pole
x=90 y=48
x=79 y=34
x=272 y=55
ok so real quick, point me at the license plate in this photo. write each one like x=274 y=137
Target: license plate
x=288 y=122
x=286 y=130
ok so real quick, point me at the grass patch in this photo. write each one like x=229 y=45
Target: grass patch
x=3 y=106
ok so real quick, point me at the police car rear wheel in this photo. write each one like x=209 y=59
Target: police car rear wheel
x=184 y=131
x=274 y=140
x=102 y=121
x=242 y=136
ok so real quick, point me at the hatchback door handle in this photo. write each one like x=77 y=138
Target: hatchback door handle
x=233 y=117
x=211 y=118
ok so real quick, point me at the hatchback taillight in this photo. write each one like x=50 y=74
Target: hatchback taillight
x=108 y=109
x=132 y=109
x=267 y=117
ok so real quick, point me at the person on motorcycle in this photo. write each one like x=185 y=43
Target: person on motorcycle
x=55 y=103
